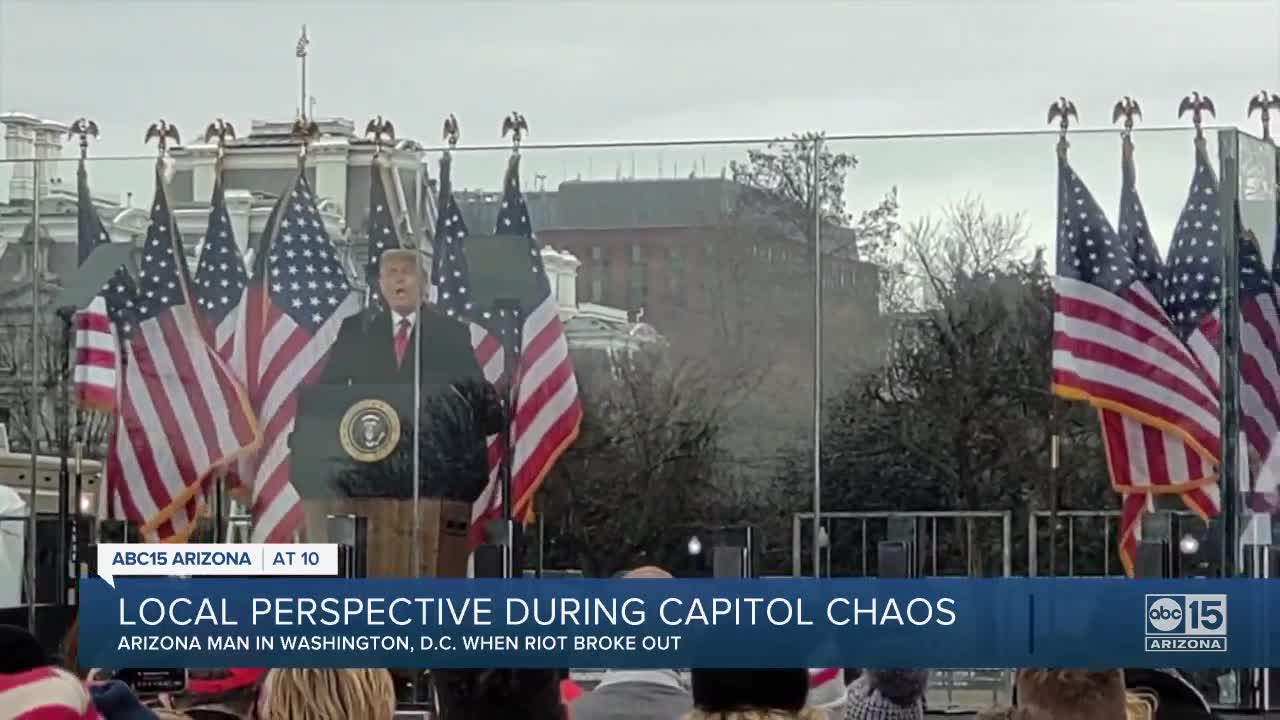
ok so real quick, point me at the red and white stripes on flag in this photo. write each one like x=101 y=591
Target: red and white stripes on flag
x=97 y=357
x=1145 y=461
x=548 y=412
x=182 y=414
x=295 y=304
x=1118 y=352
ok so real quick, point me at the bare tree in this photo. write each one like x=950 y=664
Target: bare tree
x=957 y=417
x=55 y=414
x=631 y=485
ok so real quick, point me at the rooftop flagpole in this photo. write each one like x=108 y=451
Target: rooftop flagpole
x=301 y=53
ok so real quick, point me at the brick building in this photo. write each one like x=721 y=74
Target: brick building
x=727 y=284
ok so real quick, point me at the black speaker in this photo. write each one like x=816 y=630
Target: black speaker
x=351 y=533
x=728 y=561
x=1153 y=560
x=488 y=561
x=48 y=575
x=893 y=559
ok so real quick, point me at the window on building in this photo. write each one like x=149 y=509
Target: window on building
x=638 y=296
x=675 y=275
x=597 y=290
x=597 y=253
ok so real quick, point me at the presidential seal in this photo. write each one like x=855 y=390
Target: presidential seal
x=369 y=431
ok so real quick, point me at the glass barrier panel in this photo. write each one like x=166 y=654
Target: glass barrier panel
x=682 y=295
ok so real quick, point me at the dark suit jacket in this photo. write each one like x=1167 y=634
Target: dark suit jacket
x=459 y=408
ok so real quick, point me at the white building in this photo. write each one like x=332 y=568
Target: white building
x=256 y=168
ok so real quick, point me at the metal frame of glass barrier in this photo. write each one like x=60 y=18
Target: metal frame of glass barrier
x=1229 y=150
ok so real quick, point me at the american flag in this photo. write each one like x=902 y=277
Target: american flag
x=449 y=281
x=221 y=279
x=182 y=415
x=1113 y=346
x=548 y=410
x=1112 y=343
x=1193 y=290
x=382 y=230
x=296 y=302
x=1142 y=459
x=303 y=42
x=219 y=287
x=97 y=352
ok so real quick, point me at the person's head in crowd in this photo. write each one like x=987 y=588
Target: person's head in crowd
x=1072 y=694
x=400 y=278
x=827 y=691
x=751 y=695
x=326 y=694
x=636 y=694
x=222 y=694
x=1004 y=712
x=20 y=651
x=888 y=695
x=526 y=694
x=1168 y=694
x=647 y=572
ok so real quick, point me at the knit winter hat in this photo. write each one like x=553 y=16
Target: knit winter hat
x=20 y=651
x=827 y=689
x=888 y=695
x=743 y=689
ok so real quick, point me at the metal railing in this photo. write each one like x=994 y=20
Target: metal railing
x=925 y=525
x=1075 y=525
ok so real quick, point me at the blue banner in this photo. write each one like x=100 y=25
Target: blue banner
x=935 y=623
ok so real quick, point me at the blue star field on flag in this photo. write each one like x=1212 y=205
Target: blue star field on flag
x=381 y=230
x=220 y=275
x=513 y=221
x=303 y=274
x=1088 y=249
x=1135 y=234
x=162 y=274
x=1193 y=282
x=120 y=292
x=449 y=274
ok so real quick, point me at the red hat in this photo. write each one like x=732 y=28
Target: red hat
x=225 y=681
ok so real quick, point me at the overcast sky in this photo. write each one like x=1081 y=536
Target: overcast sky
x=652 y=70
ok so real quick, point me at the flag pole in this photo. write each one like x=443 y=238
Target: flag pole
x=221 y=130
x=511 y=315
x=1229 y=370
x=33 y=420
x=303 y=42
x=1063 y=110
x=69 y=501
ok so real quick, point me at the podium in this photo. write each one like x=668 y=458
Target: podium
x=352 y=456
x=441 y=539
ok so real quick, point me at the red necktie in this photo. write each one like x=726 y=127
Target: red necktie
x=402 y=340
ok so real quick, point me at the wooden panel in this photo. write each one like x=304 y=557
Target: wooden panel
x=441 y=539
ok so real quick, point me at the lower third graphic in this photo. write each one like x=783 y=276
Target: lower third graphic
x=1186 y=623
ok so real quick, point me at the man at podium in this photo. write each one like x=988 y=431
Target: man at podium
x=353 y=442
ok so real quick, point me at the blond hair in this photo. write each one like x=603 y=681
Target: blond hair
x=327 y=694
x=805 y=714
x=1073 y=694
x=1140 y=705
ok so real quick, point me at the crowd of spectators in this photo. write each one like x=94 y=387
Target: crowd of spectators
x=35 y=686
